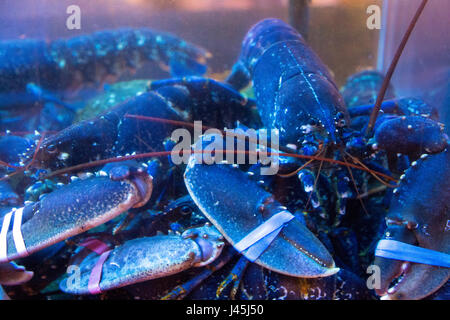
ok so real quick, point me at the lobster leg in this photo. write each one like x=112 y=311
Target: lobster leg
x=344 y=192
x=307 y=178
x=148 y=258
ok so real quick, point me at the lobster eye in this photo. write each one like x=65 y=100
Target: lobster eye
x=340 y=119
x=51 y=149
x=185 y=210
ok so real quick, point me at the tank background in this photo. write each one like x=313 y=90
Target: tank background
x=424 y=68
x=337 y=29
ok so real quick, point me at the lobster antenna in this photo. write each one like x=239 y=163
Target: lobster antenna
x=190 y=125
x=167 y=153
x=387 y=79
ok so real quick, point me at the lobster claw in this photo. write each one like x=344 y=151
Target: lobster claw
x=3 y=295
x=418 y=216
x=236 y=205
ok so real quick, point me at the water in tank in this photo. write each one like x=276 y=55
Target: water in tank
x=224 y=149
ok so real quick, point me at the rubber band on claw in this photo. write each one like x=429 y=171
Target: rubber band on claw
x=95 y=245
x=17 y=234
x=257 y=241
x=397 y=250
x=96 y=274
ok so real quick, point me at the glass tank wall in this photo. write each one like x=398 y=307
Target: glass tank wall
x=424 y=67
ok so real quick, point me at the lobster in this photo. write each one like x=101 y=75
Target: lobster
x=279 y=63
x=418 y=213
x=33 y=72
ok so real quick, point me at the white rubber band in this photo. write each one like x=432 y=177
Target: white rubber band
x=397 y=250
x=254 y=251
x=267 y=231
x=3 y=234
x=17 y=233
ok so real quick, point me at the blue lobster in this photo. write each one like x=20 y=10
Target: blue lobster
x=294 y=93
x=37 y=72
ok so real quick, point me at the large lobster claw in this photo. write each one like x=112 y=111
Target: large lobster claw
x=71 y=210
x=236 y=205
x=419 y=215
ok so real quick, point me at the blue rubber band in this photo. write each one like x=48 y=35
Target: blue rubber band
x=254 y=251
x=257 y=241
x=397 y=250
